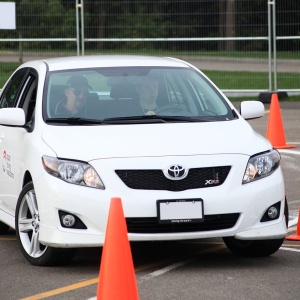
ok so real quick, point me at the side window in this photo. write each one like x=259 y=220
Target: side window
x=175 y=93
x=12 y=90
x=29 y=98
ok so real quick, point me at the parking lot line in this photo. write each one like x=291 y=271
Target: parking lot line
x=290 y=249
x=290 y=151
x=95 y=280
x=292 y=245
x=182 y=262
x=62 y=290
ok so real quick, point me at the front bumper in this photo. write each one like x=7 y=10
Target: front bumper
x=249 y=201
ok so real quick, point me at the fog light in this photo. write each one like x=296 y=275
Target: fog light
x=68 y=220
x=272 y=212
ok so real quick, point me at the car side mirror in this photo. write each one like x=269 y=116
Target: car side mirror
x=252 y=109
x=12 y=116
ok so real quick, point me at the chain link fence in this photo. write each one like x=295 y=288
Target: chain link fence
x=244 y=46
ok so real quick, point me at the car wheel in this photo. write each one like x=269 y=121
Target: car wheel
x=27 y=231
x=256 y=248
x=3 y=228
x=252 y=248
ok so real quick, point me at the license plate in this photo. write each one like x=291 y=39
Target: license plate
x=180 y=211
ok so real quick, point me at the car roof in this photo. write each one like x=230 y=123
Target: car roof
x=91 y=61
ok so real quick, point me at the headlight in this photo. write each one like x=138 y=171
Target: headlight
x=261 y=165
x=71 y=171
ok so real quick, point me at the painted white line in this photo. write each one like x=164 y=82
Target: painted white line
x=162 y=271
x=293 y=222
x=289 y=249
x=167 y=269
x=295 y=201
x=289 y=151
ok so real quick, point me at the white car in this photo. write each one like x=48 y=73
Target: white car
x=186 y=164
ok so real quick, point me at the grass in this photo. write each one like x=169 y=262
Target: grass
x=291 y=99
x=6 y=70
x=284 y=99
x=234 y=80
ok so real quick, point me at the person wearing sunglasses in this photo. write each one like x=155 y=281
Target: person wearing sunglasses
x=147 y=90
x=76 y=93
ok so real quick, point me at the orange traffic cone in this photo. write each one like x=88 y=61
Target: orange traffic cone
x=275 y=131
x=116 y=277
x=296 y=236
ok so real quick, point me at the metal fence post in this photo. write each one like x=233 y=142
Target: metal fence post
x=80 y=25
x=270 y=3
x=272 y=37
x=274 y=47
x=82 y=28
x=77 y=27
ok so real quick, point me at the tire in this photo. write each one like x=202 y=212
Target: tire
x=3 y=228
x=27 y=230
x=252 y=248
x=256 y=248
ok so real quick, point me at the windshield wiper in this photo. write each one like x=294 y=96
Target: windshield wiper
x=127 y=120
x=154 y=119
x=134 y=120
x=74 y=121
x=186 y=119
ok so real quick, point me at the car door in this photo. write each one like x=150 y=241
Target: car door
x=20 y=92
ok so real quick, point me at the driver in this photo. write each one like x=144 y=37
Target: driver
x=76 y=93
x=147 y=91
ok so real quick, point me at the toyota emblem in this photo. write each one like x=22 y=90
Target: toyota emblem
x=176 y=172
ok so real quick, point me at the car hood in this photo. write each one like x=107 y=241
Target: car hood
x=169 y=139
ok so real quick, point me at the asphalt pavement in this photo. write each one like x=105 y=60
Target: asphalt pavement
x=191 y=270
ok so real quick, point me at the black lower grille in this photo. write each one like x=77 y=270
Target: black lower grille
x=211 y=222
x=156 y=180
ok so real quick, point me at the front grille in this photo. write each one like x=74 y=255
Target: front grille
x=156 y=180
x=211 y=222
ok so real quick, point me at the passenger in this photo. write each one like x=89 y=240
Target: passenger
x=147 y=91
x=76 y=92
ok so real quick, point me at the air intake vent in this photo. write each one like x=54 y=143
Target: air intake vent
x=156 y=180
x=211 y=222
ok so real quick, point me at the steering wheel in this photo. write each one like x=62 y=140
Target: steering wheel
x=211 y=113
x=170 y=108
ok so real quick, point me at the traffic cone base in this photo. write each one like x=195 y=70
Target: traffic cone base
x=284 y=146
x=275 y=131
x=293 y=237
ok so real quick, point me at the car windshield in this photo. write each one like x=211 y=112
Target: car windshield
x=132 y=95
